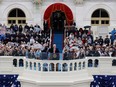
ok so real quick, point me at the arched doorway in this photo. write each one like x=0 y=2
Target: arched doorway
x=16 y=16
x=57 y=21
x=59 y=11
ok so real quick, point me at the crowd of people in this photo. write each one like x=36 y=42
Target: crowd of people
x=26 y=41
x=34 y=42
x=80 y=43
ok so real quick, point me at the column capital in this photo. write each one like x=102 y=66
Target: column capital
x=37 y=1
x=78 y=1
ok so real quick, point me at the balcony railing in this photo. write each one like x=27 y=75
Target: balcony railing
x=88 y=63
x=64 y=70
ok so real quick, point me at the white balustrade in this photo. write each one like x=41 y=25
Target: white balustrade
x=79 y=70
x=104 y=64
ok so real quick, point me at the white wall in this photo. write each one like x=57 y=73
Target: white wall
x=81 y=12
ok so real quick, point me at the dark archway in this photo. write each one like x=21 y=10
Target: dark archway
x=21 y=64
x=114 y=62
x=96 y=63
x=90 y=63
x=15 y=62
x=57 y=21
x=57 y=8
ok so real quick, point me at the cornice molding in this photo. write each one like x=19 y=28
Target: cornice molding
x=37 y=1
x=78 y=1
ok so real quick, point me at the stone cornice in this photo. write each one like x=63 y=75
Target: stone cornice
x=78 y=1
x=37 y=1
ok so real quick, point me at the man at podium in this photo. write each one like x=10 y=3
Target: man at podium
x=54 y=53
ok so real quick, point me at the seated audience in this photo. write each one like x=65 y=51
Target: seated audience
x=33 y=42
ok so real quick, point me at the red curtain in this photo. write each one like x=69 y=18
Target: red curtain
x=61 y=7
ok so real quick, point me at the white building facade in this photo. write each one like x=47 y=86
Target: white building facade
x=82 y=12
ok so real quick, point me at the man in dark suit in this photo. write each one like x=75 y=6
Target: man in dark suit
x=54 y=53
x=45 y=26
x=107 y=40
x=100 y=40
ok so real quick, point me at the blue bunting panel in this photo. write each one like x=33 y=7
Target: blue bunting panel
x=99 y=81
x=9 y=81
x=104 y=81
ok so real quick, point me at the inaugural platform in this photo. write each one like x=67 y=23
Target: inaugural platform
x=57 y=43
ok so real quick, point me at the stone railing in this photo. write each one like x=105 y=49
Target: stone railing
x=55 y=65
x=63 y=72
x=103 y=64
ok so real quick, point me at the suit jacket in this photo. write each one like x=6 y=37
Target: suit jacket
x=52 y=50
x=54 y=56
